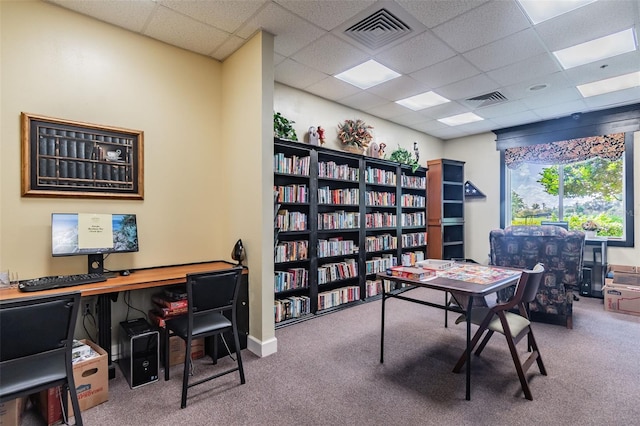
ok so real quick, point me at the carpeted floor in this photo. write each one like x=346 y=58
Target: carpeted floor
x=327 y=371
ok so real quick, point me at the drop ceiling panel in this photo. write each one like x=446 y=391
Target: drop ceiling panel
x=323 y=14
x=399 y=88
x=226 y=15
x=230 y=45
x=517 y=119
x=507 y=51
x=443 y=110
x=363 y=100
x=403 y=58
x=434 y=13
x=470 y=87
x=606 y=68
x=131 y=15
x=297 y=75
x=387 y=110
x=184 y=32
x=521 y=90
x=560 y=96
x=330 y=55
x=446 y=72
x=332 y=88
x=482 y=25
x=499 y=110
x=535 y=67
x=561 y=110
x=607 y=100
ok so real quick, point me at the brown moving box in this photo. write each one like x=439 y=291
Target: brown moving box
x=91 y=378
x=621 y=298
x=177 y=347
x=625 y=274
x=11 y=411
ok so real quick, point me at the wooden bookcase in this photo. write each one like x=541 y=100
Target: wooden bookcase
x=362 y=216
x=445 y=209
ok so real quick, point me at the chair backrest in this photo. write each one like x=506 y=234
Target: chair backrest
x=528 y=284
x=216 y=290
x=36 y=325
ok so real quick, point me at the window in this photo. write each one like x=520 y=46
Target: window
x=579 y=180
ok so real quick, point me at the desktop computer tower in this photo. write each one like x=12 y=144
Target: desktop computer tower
x=139 y=352
x=585 y=286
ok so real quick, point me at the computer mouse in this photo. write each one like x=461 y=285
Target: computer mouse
x=125 y=273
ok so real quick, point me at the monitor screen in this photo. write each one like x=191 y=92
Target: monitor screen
x=65 y=232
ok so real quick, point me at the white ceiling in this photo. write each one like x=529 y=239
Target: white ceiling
x=458 y=48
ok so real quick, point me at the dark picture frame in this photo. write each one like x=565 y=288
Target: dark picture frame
x=64 y=158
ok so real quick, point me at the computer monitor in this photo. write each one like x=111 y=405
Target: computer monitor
x=561 y=224
x=68 y=239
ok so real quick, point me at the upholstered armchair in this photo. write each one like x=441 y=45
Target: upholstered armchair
x=560 y=251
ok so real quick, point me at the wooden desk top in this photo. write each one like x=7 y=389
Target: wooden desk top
x=139 y=279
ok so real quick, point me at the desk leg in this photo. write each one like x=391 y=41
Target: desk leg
x=104 y=329
x=384 y=299
x=468 y=384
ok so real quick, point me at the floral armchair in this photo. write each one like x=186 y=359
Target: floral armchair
x=560 y=251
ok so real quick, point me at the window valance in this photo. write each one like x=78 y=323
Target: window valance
x=609 y=147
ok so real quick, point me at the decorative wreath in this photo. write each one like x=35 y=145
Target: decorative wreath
x=355 y=133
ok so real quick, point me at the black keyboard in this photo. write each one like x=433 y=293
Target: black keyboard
x=58 y=281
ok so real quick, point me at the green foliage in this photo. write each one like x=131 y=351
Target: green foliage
x=402 y=156
x=598 y=178
x=282 y=127
x=608 y=226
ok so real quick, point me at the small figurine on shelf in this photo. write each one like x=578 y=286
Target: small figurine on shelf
x=313 y=136
x=381 y=150
x=320 y=131
x=416 y=151
x=373 y=150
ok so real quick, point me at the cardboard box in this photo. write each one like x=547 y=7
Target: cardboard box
x=624 y=268
x=11 y=411
x=177 y=347
x=91 y=378
x=622 y=298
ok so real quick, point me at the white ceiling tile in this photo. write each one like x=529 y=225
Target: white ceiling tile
x=333 y=89
x=230 y=45
x=403 y=59
x=291 y=32
x=613 y=99
x=555 y=81
x=606 y=68
x=321 y=12
x=516 y=119
x=443 y=110
x=482 y=25
x=586 y=23
x=131 y=15
x=506 y=51
x=226 y=15
x=398 y=88
x=498 y=110
x=330 y=55
x=446 y=72
x=433 y=13
x=428 y=125
x=297 y=75
x=474 y=86
x=182 y=31
x=408 y=118
x=559 y=96
x=561 y=110
x=387 y=110
x=278 y=58
x=527 y=69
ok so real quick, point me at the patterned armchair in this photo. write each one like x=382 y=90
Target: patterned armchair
x=560 y=251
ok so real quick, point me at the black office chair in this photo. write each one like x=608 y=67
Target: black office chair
x=514 y=326
x=210 y=296
x=36 y=338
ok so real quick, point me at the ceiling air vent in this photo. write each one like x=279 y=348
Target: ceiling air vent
x=487 y=99
x=378 y=30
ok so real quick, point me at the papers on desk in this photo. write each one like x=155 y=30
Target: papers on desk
x=411 y=273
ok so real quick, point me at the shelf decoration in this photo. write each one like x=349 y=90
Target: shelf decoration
x=62 y=158
x=471 y=191
x=283 y=127
x=402 y=156
x=355 y=135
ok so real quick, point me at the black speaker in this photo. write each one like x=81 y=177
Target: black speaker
x=139 y=352
x=585 y=287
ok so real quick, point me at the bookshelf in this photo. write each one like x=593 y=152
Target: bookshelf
x=445 y=211
x=362 y=215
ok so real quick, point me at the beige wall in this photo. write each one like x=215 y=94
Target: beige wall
x=481 y=215
x=248 y=136
x=309 y=110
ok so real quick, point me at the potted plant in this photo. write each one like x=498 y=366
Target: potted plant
x=402 y=156
x=355 y=135
x=590 y=228
x=282 y=127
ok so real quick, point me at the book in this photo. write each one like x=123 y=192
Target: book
x=166 y=312
x=411 y=273
x=172 y=304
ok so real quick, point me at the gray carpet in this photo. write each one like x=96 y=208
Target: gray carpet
x=327 y=371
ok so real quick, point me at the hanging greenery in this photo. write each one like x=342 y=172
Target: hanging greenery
x=402 y=156
x=282 y=127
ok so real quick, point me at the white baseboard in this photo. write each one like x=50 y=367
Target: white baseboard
x=262 y=348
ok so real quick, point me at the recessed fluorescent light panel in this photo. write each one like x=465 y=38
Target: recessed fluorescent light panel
x=368 y=74
x=422 y=101
x=614 y=84
x=457 y=120
x=595 y=50
x=541 y=10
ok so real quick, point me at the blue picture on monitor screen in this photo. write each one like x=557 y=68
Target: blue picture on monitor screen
x=64 y=235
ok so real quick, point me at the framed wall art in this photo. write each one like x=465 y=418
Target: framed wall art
x=62 y=158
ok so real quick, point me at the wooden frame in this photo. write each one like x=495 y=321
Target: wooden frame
x=63 y=158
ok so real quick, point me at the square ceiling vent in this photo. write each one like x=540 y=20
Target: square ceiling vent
x=379 y=27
